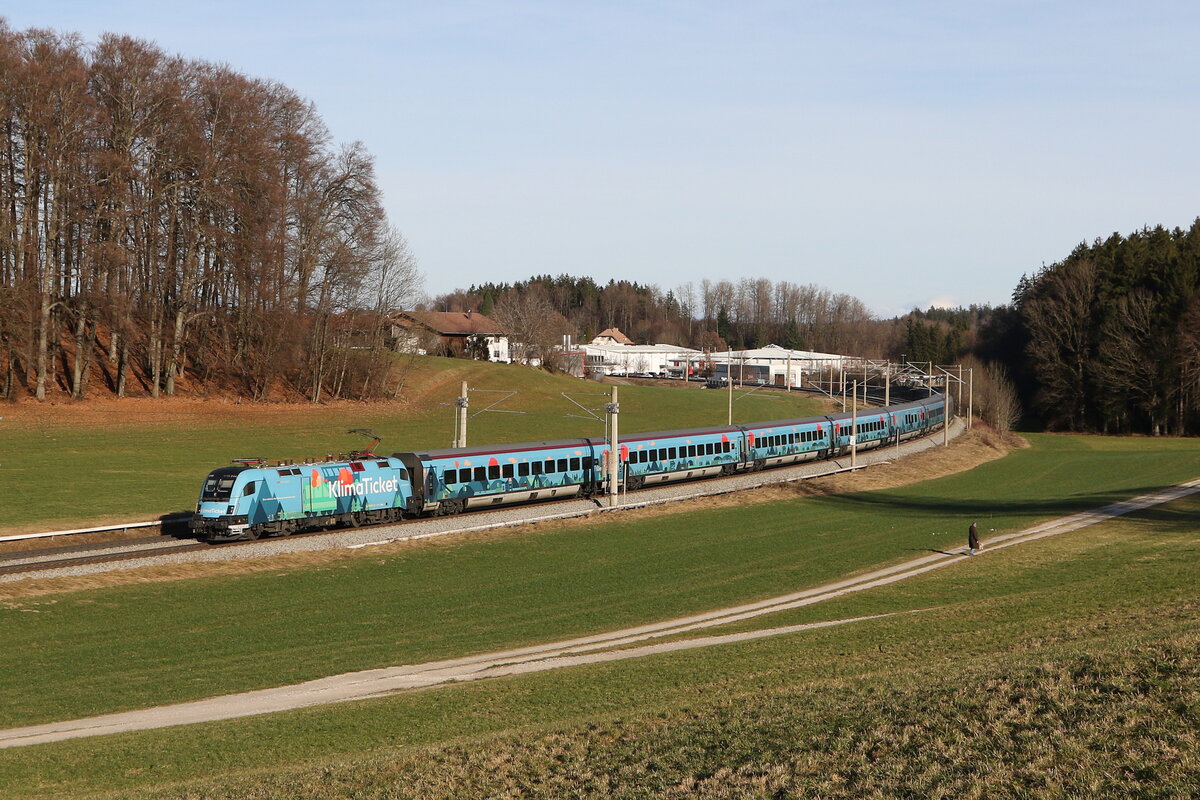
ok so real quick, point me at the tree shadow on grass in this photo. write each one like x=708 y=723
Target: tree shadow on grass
x=970 y=508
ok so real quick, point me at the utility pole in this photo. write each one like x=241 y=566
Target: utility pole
x=462 y=402
x=970 y=396
x=729 y=378
x=614 y=449
x=946 y=420
x=854 y=429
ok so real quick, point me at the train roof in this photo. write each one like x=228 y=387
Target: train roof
x=257 y=463
x=491 y=449
x=715 y=430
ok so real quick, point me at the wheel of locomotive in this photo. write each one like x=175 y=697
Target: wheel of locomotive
x=727 y=469
x=635 y=482
x=254 y=532
x=450 y=507
x=759 y=464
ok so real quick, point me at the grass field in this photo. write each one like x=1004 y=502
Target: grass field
x=1077 y=650
x=140 y=459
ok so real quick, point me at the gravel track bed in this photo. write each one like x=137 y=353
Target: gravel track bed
x=355 y=538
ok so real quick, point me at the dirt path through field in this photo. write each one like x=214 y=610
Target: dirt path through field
x=612 y=646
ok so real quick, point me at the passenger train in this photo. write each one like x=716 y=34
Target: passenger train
x=252 y=499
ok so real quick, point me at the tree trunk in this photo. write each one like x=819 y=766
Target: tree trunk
x=83 y=355
x=174 y=368
x=122 y=365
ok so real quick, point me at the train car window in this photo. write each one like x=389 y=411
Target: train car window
x=383 y=464
x=356 y=466
x=576 y=464
x=549 y=465
x=480 y=474
x=562 y=465
x=536 y=467
x=588 y=462
x=450 y=476
x=506 y=471
x=523 y=469
x=493 y=472
x=403 y=474
x=249 y=490
x=671 y=453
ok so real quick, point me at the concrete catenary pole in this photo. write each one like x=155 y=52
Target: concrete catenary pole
x=729 y=378
x=614 y=449
x=462 y=402
x=946 y=419
x=854 y=428
x=970 y=396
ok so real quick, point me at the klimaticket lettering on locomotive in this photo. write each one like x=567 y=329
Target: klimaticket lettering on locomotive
x=362 y=487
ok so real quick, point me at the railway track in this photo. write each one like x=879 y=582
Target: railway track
x=19 y=562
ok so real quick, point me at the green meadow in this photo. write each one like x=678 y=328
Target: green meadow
x=139 y=460
x=1060 y=668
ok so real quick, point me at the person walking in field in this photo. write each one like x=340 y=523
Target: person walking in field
x=972 y=540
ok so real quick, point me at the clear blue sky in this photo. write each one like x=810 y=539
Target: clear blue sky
x=905 y=153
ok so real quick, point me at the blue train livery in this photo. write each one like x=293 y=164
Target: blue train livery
x=253 y=498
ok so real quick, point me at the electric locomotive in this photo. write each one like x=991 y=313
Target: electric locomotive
x=255 y=498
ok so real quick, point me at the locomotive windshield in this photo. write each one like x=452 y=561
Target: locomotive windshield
x=219 y=484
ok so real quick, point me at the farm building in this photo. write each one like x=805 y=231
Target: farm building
x=779 y=366
x=457 y=333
